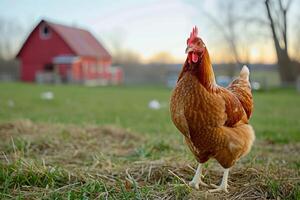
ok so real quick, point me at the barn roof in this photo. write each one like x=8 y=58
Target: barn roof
x=81 y=41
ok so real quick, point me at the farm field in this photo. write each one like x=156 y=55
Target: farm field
x=105 y=143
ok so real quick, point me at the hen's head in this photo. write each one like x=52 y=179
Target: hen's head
x=195 y=46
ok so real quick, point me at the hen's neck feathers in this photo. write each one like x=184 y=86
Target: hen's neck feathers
x=206 y=74
x=202 y=70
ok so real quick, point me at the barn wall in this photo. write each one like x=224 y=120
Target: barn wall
x=39 y=51
x=77 y=71
x=93 y=68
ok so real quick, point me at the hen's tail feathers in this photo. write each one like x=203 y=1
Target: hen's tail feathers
x=240 y=138
x=244 y=74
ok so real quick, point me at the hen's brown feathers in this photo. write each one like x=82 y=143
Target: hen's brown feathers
x=214 y=120
x=242 y=90
x=196 y=112
x=234 y=109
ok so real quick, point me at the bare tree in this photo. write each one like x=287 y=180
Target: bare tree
x=126 y=57
x=277 y=16
x=276 y=20
x=228 y=25
x=297 y=46
x=297 y=41
x=10 y=31
x=10 y=35
x=122 y=55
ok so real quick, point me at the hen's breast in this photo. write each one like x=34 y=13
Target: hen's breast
x=181 y=94
x=194 y=108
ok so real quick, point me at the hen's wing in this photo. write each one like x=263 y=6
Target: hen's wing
x=238 y=99
x=242 y=89
x=233 y=107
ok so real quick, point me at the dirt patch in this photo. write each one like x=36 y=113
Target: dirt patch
x=65 y=144
x=122 y=159
x=245 y=181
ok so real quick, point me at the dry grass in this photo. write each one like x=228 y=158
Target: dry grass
x=53 y=161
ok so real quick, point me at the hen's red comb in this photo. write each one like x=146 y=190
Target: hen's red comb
x=193 y=35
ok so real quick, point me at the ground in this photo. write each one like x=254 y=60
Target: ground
x=105 y=143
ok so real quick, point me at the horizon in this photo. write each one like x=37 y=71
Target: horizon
x=121 y=26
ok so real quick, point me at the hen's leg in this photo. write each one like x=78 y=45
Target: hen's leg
x=197 y=178
x=224 y=185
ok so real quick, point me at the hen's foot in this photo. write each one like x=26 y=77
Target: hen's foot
x=223 y=186
x=195 y=184
x=197 y=178
x=219 y=188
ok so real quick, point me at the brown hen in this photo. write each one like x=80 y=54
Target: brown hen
x=214 y=120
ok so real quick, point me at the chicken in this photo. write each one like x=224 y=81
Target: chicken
x=213 y=120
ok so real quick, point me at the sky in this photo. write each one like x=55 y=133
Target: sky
x=147 y=27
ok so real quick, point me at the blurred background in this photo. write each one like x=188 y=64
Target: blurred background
x=146 y=39
x=128 y=49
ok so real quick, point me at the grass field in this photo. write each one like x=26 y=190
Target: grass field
x=104 y=142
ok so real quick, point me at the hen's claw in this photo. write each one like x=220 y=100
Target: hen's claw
x=223 y=186
x=218 y=188
x=203 y=184
x=197 y=178
x=195 y=184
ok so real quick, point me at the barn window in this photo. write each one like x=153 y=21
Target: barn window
x=45 y=32
x=49 y=67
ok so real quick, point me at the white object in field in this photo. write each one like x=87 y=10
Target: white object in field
x=47 y=95
x=154 y=104
x=11 y=103
x=255 y=85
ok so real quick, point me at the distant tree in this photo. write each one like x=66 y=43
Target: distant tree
x=10 y=31
x=276 y=20
x=162 y=58
x=229 y=27
x=122 y=55
x=126 y=57
x=297 y=42
x=277 y=13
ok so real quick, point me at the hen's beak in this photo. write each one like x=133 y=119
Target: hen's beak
x=188 y=49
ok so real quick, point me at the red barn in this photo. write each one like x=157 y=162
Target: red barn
x=54 y=52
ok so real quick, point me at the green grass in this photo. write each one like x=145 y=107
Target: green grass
x=121 y=106
x=61 y=149
x=276 y=113
x=58 y=183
